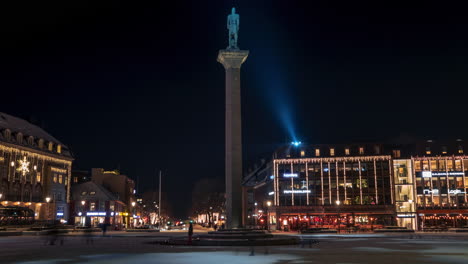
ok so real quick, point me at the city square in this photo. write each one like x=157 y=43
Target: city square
x=308 y=133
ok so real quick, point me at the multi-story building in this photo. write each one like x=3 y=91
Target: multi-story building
x=366 y=185
x=92 y=204
x=35 y=169
x=120 y=185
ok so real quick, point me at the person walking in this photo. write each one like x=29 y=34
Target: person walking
x=190 y=233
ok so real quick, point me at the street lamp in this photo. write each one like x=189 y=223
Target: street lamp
x=133 y=213
x=83 y=218
x=256 y=215
x=338 y=202
x=268 y=215
x=47 y=201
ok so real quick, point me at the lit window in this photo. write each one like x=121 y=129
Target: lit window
x=38 y=177
x=75 y=179
x=361 y=150
x=59 y=149
x=332 y=152
x=83 y=193
x=92 y=193
x=396 y=153
x=60 y=178
x=346 y=151
x=51 y=146
x=460 y=150
x=41 y=143
x=55 y=177
x=444 y=150
x=92 y=206
x=302 y=153
x=317 y=152
x=428 y=151
x=31 y=140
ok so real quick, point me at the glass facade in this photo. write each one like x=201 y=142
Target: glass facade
x=324 y=181
x=404 y=193
x=441 y=182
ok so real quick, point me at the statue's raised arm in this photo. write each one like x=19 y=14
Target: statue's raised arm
x=233 y=27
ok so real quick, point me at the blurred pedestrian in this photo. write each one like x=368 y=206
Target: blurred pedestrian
x=215 y=227
x=190 y=233
x=104 y=228
x=88 y=236
x=53 y=236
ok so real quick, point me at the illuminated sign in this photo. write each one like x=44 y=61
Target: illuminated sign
x=271 y=193
x=426 y=174
x=296 y=191
x=60 y=214
x=455 y=191
x=96 y=213
x=272 y=177
x=429 y=174
x=405 y=216
x=434 y=191
x=450 y=173
x=290 y=175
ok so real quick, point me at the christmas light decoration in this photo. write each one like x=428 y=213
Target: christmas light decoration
x=23 y=166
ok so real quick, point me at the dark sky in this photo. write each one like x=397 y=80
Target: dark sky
x=138 y=86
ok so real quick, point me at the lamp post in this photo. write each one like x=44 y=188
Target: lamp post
x=256 y=215
x=133 y=213
x=48 y=213
x=268 y=215
x=338 y=202
x=83 y=212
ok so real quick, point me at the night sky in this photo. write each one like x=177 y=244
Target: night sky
x=138 y=86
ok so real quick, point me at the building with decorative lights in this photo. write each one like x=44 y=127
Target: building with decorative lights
x=105 y=197
x=419 y=186
x=35 y=169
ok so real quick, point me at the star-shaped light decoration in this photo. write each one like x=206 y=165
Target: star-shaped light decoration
x=24 y=166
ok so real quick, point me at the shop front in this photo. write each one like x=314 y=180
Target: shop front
x=353 y=218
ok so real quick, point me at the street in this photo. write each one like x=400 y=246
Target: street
x=125 y=248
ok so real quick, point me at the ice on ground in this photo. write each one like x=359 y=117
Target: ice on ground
x=200 y=257
x=376 y=249
x=54 y=261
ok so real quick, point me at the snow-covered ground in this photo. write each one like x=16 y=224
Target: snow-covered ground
x=381 y=250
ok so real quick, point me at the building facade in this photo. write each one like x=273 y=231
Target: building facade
x=93 y=205
x=417 y=186
x=35 y=169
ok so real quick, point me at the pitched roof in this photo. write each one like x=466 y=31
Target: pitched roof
x=18 y=125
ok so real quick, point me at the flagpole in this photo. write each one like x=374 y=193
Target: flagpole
x=159 y=207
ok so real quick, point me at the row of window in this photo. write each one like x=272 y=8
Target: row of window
x=86 y=193
x=440 y=165
x=59 y=178
x=347 y=151
x=30 y=141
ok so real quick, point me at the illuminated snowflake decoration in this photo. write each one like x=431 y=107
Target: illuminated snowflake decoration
x=24 y=166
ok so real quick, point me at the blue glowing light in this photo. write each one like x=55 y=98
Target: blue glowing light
x=296 y=143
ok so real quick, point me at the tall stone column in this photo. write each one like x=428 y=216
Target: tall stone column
x=232 y=61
